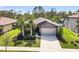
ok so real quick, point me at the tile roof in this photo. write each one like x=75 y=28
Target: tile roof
x=74 y=16
x=5 y=20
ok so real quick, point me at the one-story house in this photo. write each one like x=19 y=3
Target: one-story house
x=71 y=22
x=6 y=24
x=47 y=26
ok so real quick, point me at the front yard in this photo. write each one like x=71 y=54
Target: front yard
x=71 y=39
x=9 y=35
x=8 y=38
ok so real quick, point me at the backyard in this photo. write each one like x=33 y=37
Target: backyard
x=71 y=39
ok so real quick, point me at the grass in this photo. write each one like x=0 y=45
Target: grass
x=9 y=35
x=23 y=43
x=69 y=36
x=29 y=43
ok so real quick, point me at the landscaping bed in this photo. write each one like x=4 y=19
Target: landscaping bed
x=28 y=43
x=69 y=39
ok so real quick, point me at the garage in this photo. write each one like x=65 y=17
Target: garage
x=48 y=31
x=46 y=26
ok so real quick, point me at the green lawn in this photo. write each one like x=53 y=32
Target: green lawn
x=23 y=43
x=9 y=35
x=69 y=36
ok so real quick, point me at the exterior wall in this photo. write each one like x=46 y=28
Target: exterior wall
x=47 y=28
x=71 y=24
x=7 y=27
x=46 y=25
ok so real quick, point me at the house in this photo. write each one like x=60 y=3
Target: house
x=46 y=26
x=6 y=24
x=71 y=22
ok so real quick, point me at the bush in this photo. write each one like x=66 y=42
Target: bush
x=75 y=44
x=20 y=37
x=18 y=42
x=63 y=40
x=77 y=41
x=72 y=42
x=78 y=35
x=32 y=37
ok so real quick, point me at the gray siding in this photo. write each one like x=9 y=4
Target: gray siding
x=72 y=22
x=46 y=25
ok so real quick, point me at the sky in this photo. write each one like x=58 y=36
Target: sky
x=25 y=9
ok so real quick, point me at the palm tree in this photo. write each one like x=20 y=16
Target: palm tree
x=31 y=26
x=38 y=11
x=21 y=23
x=53 y=12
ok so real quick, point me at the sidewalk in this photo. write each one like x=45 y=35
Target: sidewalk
x=21 y=48
x=39 y=49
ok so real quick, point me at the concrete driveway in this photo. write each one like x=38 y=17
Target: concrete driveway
x=49 y=43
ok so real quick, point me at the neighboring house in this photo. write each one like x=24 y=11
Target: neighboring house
x=71 y=22
x=6 y=24
x=46 y=26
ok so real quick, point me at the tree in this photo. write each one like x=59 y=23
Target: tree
x=31 y=24
x=8 y=13
x=53 y=12
x=56 y=19
x=21 y=23
x=38 y=12
x=70 y=12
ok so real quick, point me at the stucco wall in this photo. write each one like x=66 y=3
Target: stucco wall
x=7 y=27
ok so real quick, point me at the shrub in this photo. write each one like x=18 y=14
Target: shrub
x=78 y=35
x=18 y=42
x=32 y=37
x=20 y=37
x=75 y=44
x=77 y=41
x=63 y=40
x=72 y=42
